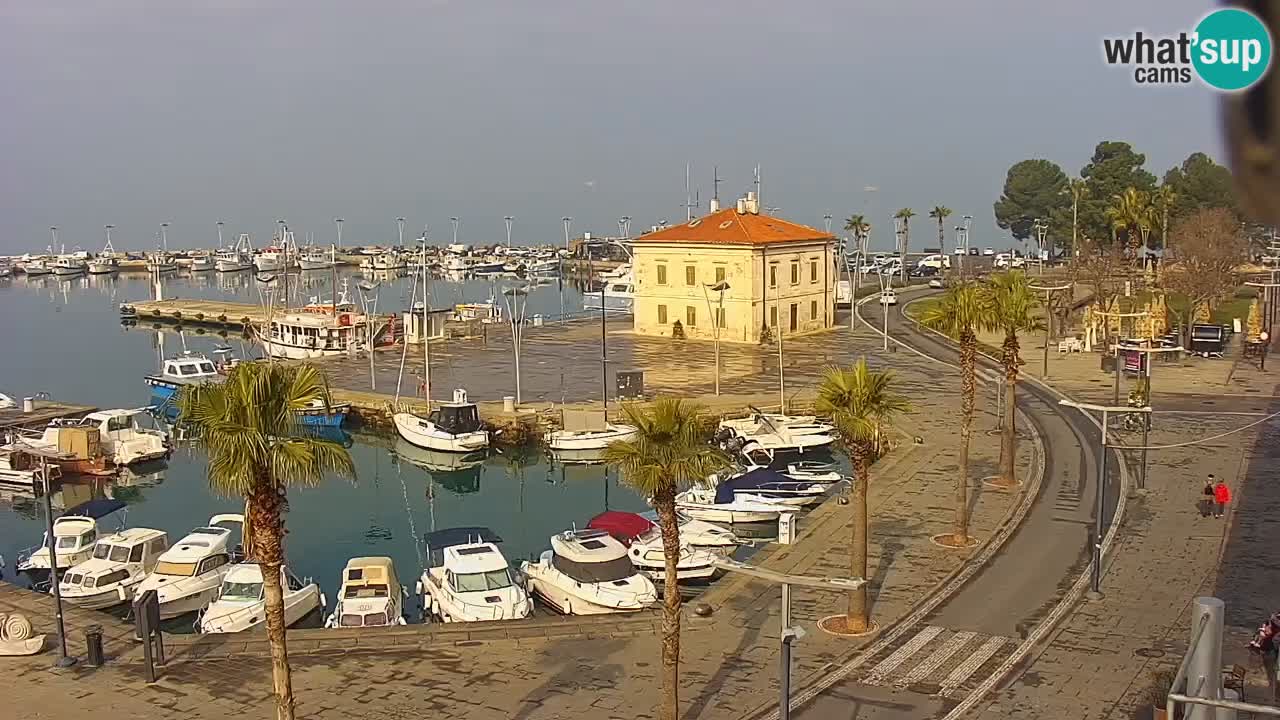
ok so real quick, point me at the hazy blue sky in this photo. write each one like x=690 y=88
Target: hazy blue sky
x=133 y=112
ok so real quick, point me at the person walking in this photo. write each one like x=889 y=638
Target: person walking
x=1264 y=644
x=1206 y=502
x=1221 y=496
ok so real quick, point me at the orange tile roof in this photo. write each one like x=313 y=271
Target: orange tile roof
x=727 y=227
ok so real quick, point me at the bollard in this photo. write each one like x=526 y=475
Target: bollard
x=508 y=403
x=1204 y=674
x=93 y=645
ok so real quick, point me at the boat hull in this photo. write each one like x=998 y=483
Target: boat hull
x=711 y=513
x=231 y=266
x=410 y=428
x=297 y=352
x=101 y=268
x=297 y=605
x=563 y=440
x=567 y=603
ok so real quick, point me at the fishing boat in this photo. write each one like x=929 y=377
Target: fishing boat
x=318 y=259
x=242 y=604
x=75 y=533
x=66 y=265
x=451 y=427
x=35 y=265
x=161 y=262
x=107 y=261
x=370 y=595
x=187 y=576
x=588 y=572
x=467 y=579
x=312 y=334
x=202 y=262
x=119 y=564
x=181 y=371
x=643 y=540
x=270 y=259
x=388 y=260
x=236 y=258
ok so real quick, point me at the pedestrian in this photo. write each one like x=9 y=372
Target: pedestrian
x=1206 y=502
x=1221 y=496
x=1267 y=645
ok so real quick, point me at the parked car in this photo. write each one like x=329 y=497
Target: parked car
x=888 y=297
x=923 y=271
x=935 y=283
x=973 y=251
x=959 y=251
x=988 y=251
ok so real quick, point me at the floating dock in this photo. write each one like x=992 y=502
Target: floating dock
x=214 y=313
x=44 y=412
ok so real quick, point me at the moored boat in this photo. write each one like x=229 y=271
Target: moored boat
x=370 y=595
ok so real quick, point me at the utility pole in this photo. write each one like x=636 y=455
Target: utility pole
x=219 y=224
x=338 y=222
x=400 y=232
x=508 y=220
x=567 y=220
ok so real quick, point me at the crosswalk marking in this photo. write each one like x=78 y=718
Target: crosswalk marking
x=891 y=663
x=971 y=665
x=936 y=659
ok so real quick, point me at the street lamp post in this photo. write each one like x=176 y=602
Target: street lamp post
x=1146 y=421
x=400 y=232
x=1048 y=317
x=64 y=660
x=338 y=222
x=219 y=224
x=1095 y=577
x=789 y=633
x=566 y=219
x=1042 y=232
x=508 y=220
x=455 y=222
x=886 y=284
x=715 y=321
x=371 y=307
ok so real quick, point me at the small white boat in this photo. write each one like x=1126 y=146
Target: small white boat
x=709 y=504
x=451 y=427
x=467 y=579
x=759 y=422
x=75 y=533
x=187 y=576
x=701 y=534
x=120 y=437
x=202 y=262
x=242 y=605
x=236 y=258
x=588 y=430
x=389 y=260
x=617 y=296
x=161 y=262
x=119 y=564
x=587 y=572
x=772 y=438
x=644 y=546
x=36 y=266
x=766 y=486
x=65 y=265
x=318 y=259
x=185 y=369
x=370 y=595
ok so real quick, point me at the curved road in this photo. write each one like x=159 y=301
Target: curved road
x=933 y=665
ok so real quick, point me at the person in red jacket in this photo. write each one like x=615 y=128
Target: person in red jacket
x=1221 y=496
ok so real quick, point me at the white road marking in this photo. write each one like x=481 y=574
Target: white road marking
x=897 y=657
x=935 y=660
x=971 y=665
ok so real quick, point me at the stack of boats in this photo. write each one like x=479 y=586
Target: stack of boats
x=99 y=443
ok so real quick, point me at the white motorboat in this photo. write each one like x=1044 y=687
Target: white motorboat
x=318 y=259
x=588 y=430
x=451 y=427
x=119 y=564
x=587 y=572
x=65 y=265
x=615 y=296
x=701 y=534
x=467 y=579
x=269 y=260
x=36 y=266
x=119 y=436
x=370 y=595
x=6 y=270
x=242 y=604
x=389 y=260
x=644 y=546
x=107 y=261
x=758 y=422
x=187 y=576
x=804 y=470
x=18 y=470
x=704 y=503
x=236 y=258
x=544 y=268
x=776 y=439
x=202 y=262
x=75 y=533
x=185 y=369
x=767 y=486
x=161 y=262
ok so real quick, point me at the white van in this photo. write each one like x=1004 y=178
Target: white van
x=941 y=262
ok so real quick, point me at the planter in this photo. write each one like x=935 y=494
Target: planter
x=1159 y=713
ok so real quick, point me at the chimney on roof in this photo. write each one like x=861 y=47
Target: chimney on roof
x=742 y=206
x=752 y=203
x=714 y=206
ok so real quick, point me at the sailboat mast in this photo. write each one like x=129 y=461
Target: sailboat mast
x=426 y=329
x=604 y=355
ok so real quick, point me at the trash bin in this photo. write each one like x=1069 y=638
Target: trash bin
x=93 y=645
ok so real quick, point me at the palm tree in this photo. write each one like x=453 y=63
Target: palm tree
x=861 y=402
x=670 y=451
x=1079 y=190
x=258 y=450
x=1010 y=308
x=858 y=226
x=1162 y=201
x=959 y=314
x=905 y=215
x=1131 y=211
x=940 y=213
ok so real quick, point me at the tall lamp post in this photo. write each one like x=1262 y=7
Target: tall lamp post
x=517 y=303
x=1041 y=229
x=219 y=224
x=1095 y=576
x=508 y=220
x=1048 y=317
x=566 y=220
x=1146 y=421
x=369 y=302
x=400 y=232
x=455 y=222
x=64 y=660
x=719 y=287
x=338 y=222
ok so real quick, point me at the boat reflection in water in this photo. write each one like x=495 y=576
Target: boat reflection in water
x=458 y=473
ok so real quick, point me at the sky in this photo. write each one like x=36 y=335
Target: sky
x=137 y=112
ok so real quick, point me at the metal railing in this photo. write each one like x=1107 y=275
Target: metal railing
x=1204 y=661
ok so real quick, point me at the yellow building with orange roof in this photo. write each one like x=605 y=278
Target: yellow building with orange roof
x=776 y=274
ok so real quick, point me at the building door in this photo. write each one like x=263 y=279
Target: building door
x=795 y=317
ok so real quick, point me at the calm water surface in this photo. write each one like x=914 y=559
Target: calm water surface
x=64 y=338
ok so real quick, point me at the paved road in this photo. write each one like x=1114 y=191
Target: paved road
x=957 y=646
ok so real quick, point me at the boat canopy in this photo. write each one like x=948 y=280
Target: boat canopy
x=614 y=570
x=438 y=540
x=96 y=509
x=624 y=526
x=761 y=479
x=457 y=419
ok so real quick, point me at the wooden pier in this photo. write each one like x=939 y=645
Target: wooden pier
x=190 y=311
x=45 y=412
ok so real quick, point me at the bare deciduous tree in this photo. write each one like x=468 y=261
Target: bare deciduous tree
x=1209 y=248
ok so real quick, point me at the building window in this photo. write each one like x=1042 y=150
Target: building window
x=690 y=316
x=773 y=316
x=662 y=274
x=690 y=275
x=795 y=317
x=813 y=271
x=719 y=275
x=773 y=275
x=795 y=272
x=662 y=314
x=720 y=317
x=813 y=310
